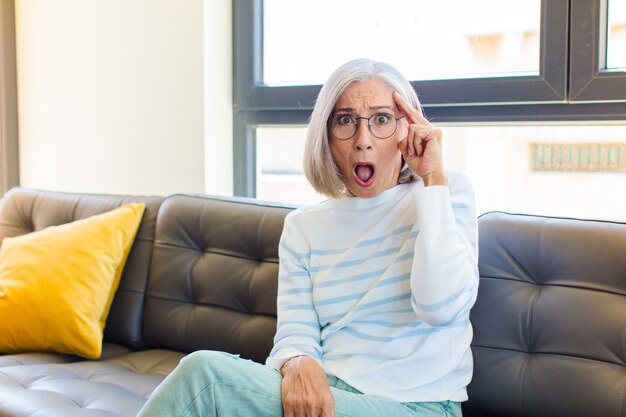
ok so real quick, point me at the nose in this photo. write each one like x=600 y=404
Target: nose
x=363 y=138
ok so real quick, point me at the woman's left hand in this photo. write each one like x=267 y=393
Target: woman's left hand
x=421 y=148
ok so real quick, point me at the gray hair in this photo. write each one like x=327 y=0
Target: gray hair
x=319 y=166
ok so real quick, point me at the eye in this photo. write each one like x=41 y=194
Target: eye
x=344 y=120
x=381 y=118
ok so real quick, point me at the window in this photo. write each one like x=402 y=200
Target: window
x=595 y=75
x=279 y=168
x=616 y=35
x=556 y=169
x=543 y=82
x=404 y=32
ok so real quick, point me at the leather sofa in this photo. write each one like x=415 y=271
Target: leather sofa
x=549 y=322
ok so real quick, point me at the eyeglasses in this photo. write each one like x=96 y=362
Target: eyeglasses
x=344 y=126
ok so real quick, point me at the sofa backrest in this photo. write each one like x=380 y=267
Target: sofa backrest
x=550 y=318
x=213 y=277
x=24 y=210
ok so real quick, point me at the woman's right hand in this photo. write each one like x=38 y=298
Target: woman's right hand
x=305 y=390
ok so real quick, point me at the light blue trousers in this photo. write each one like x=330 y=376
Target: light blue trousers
x=208 y=383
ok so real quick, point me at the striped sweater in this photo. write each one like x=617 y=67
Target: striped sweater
x=378 y=290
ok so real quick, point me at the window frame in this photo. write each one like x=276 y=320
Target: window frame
x=9 y=157
x=568 y=60
x=548 y=86
x=590 y=80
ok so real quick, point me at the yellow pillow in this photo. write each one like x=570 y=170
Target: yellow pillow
x=57 y=284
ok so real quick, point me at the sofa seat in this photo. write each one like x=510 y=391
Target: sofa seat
x=113 y=387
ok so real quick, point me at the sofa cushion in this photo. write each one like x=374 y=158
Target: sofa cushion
x=114 y=387
x=57 y=284
x=23 y=211
x=550 y=318
x=213 y=278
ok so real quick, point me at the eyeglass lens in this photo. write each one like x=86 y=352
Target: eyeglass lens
x=345 y=126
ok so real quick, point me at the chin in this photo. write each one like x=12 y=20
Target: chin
x=364 y=192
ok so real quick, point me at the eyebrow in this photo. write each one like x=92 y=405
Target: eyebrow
x=351 y=109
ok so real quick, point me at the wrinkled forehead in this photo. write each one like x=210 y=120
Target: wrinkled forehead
x=363 y=95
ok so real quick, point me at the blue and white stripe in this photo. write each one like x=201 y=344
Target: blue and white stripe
x=380 y=293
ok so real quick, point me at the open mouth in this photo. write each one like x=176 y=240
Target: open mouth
x=364 y=173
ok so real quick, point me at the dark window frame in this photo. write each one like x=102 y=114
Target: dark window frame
x=571 y=85
x=590 y=81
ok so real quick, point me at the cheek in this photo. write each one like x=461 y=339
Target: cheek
x=391 y=148
x=393 y=156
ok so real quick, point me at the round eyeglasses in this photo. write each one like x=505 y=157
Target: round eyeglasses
x=343 y=126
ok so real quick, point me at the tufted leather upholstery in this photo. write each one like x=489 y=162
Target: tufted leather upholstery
x=109 y=350
x=550 y=319
x=24 y=211
x=201 y=275
x=113 y=387
x=213 y=276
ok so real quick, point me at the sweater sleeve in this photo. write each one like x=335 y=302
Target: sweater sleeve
x=444 y=276
x=297 y=328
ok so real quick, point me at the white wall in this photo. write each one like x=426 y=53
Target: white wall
x=218 y=97
x=111 y=96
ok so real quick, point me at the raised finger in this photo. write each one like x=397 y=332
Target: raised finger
x=413 y=115
x=405 y=108
x=410 y=137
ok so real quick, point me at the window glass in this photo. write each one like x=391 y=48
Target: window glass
x=559 y=170
x=279 y=174
x=305 y=41
x=616 y=35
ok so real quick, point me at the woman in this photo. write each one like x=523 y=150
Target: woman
x=375 y=284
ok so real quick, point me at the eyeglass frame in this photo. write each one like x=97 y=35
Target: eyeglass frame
x=369 y=126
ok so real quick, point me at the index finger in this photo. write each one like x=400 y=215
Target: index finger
x=413 y=115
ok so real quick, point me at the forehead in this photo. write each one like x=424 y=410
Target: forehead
x=371 y=92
